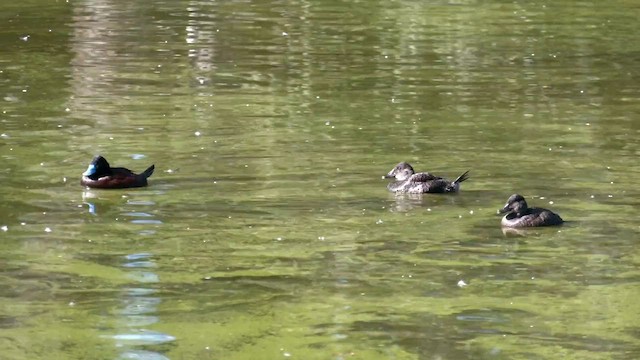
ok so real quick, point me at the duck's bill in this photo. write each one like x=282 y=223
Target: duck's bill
x=90 y=170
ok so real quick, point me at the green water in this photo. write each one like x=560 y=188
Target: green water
x=267 y=231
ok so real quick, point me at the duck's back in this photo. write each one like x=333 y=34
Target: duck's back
x=548 y=217
x=422 y=177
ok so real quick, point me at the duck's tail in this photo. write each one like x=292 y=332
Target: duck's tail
x=148 y=172
x=461 y=178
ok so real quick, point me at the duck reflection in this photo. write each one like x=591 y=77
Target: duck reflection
x=513 y=232
x=405 y=202
x=140 y=305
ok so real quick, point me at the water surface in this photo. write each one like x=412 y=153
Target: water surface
x=267 y=231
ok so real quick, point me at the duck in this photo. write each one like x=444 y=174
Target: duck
x=101 y=175
x=408 y=181
x=520 y=215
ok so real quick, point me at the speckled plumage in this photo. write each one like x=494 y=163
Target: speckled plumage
x=408 y=181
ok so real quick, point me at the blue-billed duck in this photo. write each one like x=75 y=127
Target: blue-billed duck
x=102 y=176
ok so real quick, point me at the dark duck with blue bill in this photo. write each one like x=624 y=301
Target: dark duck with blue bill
x=101 y=175
x=408 y=181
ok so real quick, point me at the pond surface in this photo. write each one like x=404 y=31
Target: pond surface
x=267 y=231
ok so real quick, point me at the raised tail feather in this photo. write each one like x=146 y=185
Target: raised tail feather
x=461 y=178
x=148 y=172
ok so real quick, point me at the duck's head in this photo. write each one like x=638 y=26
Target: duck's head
x=400 y=172
x=98 y=168
x=515 y=204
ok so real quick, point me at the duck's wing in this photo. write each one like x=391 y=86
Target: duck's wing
x=546 y=217
x=121 y=172
x=438 y=185
x=423 y=177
